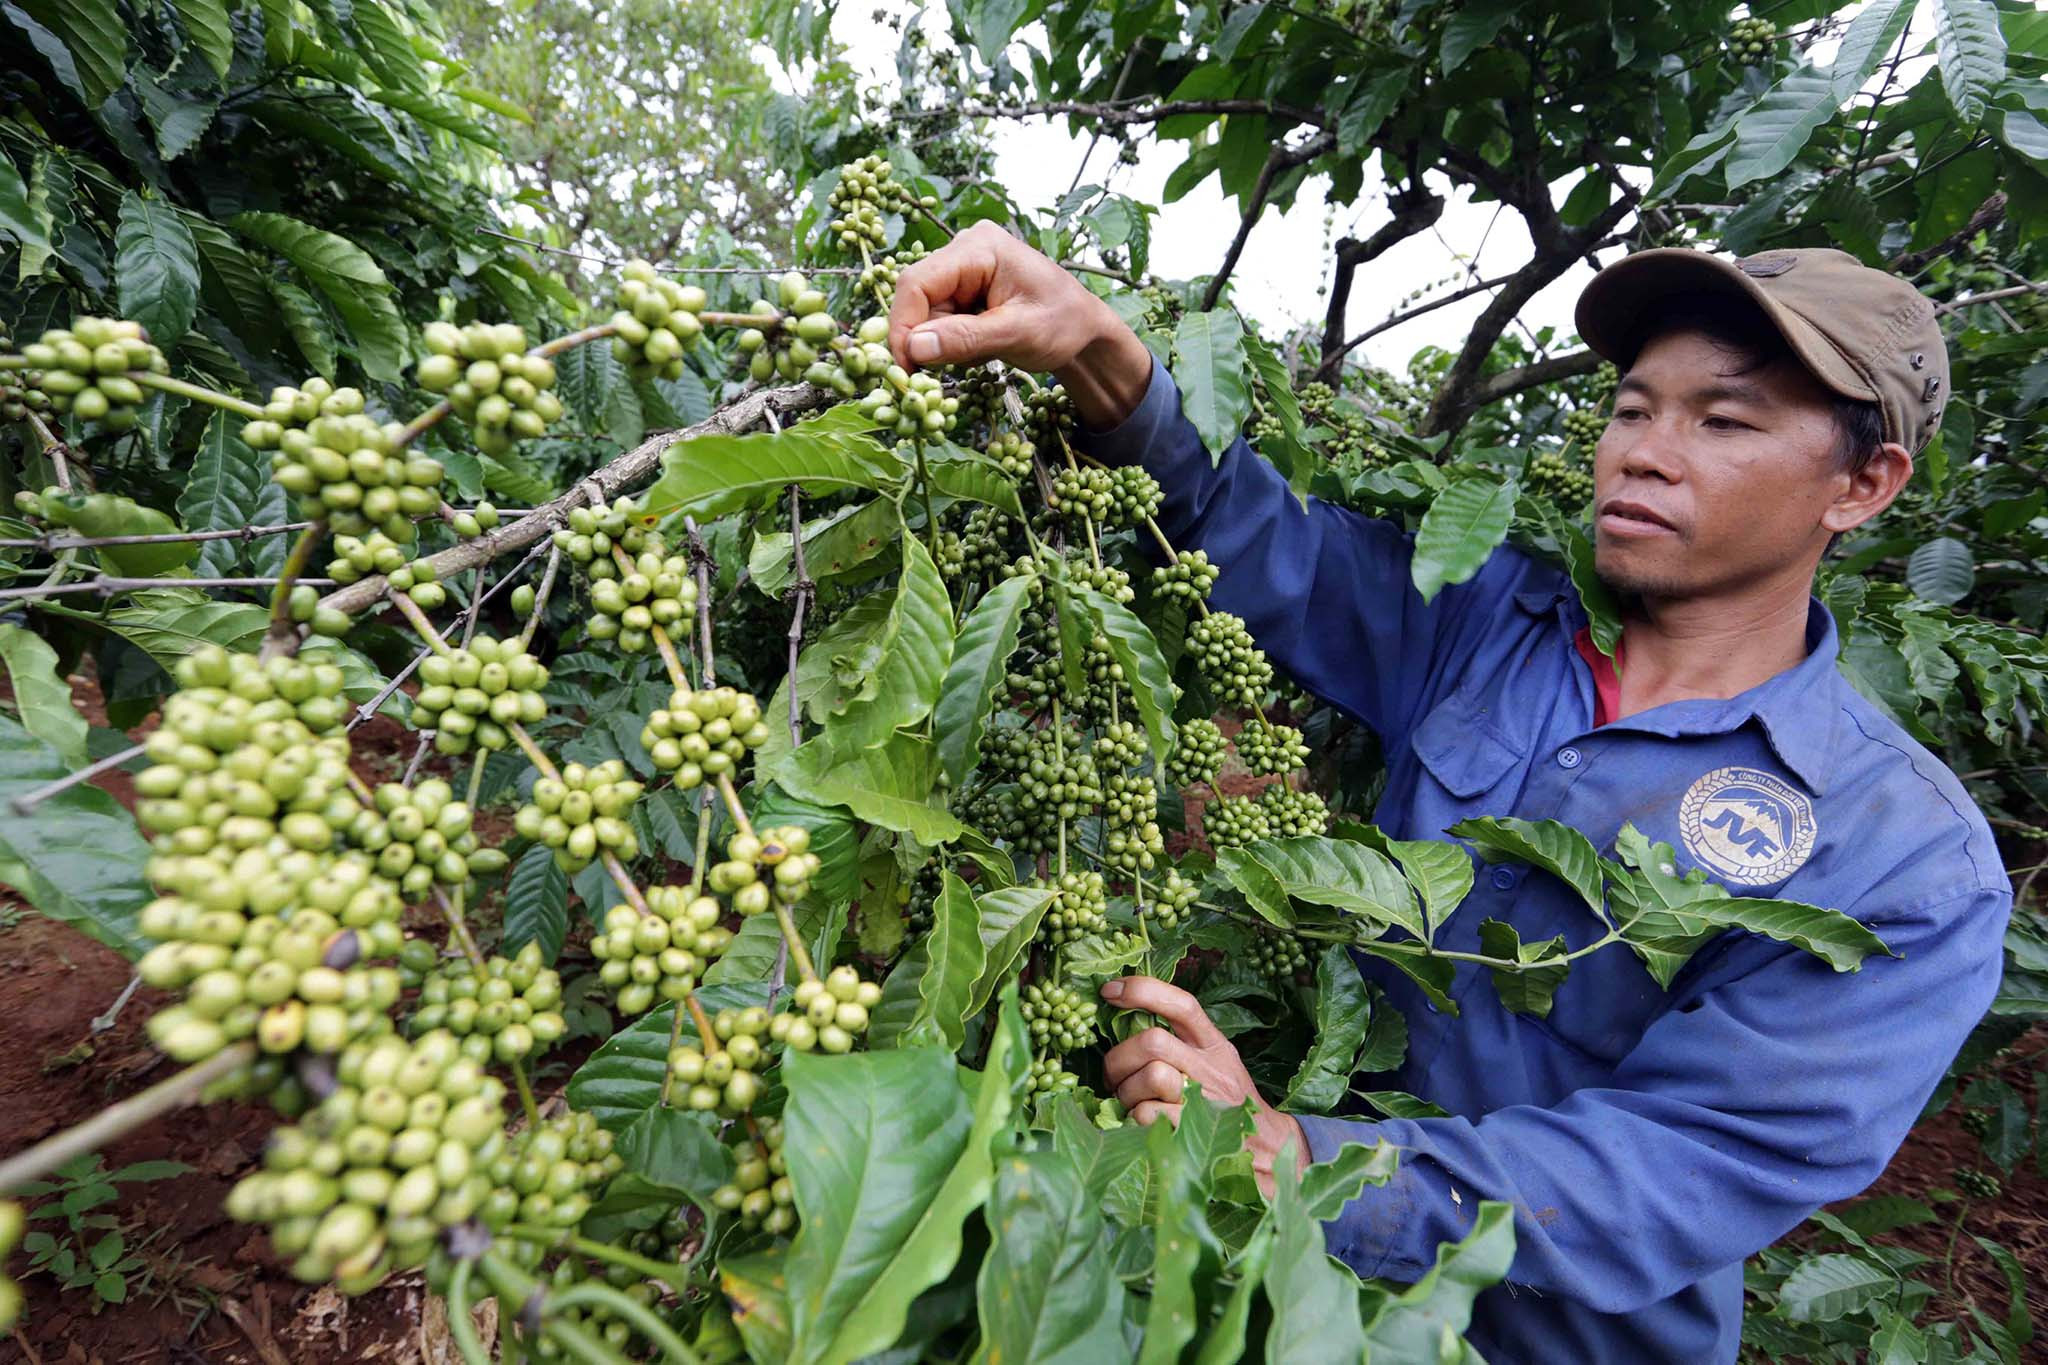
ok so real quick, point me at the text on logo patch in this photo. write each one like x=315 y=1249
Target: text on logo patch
x=1747 y=826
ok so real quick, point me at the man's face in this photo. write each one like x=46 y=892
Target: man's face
x=1707 y=480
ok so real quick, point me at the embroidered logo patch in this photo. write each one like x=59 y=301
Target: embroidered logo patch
x=1746 y=826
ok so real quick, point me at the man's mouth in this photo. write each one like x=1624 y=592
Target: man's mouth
x=1619 y=517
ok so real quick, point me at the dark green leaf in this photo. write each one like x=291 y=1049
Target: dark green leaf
x=1828 y=1288
x=1007 y=921
x=1314 y=1300
x=918 y=645
x=157 y=266
x=206 y=23
x=1343 y=1010
x=1210 y=368
x=1135 y=650
x=1830 y=935
x=981 y=655
x=891 y=786
x=1414 y=1324
x=1529 y=989
x=1047 y=1290
x=707 y=476
x=1328 y=1186
x=79 y=858
x=225 y=490
x=887 y=1161
x=1460 y=532
x=1774 y=130
x=1470 y=28
x=954 y=959
x=1972 y=53
x=1558 y=849
x=93 y=33
x=1942 y=571
x=349 y=280
x=676 y=1148
x=42 y=695
x=536 y=904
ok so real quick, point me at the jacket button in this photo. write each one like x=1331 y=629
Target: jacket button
x=1503 y=878
x=1568 y=757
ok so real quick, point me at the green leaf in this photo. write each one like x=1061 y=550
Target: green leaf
x=1007 y=921
x=833 y=545
x=708 y=476
x=1830 y=935
x=387 y=48
x=1224 y=1343
x=171 y=624
x=833 y=839
x=981 y=656
x=1440 y=872
x=1047 y=1291
x=1211 y=370
x=1556 y=848
x=225 y=490
x=678 y=1149
x=1314 y=1300
x=1434 y=975
x=1530 y=989
x=1897 y=1342
x=1971 y=53
x=1414 y=1324
x=890 y=786
x=1869 y=37
x=157 y=267
x=1941 y=571
x=622 y=1079
x=752 y=954
x=977 y=481
x=41 y=693
x=206 y=23
x=438 y=114
x=349 y=280
x=1459 y=533
x=307 y=323
x=1092 y=959
x=1829 y=1288
x=93 y=33
x=1282 y=404
x=1471 y=27
x=1777 y=127
x=1132 y=645
x=919 y=639
x=78 y=859
x=1346 y=876
x=1182 y=1238
x=887 y=1162
x=1343 y=1010
x=954 y=957
x=1328 y=1186
x=536 y=904
x=2024 y=133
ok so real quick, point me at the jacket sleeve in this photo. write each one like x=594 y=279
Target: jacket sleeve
x=1776 y=1087
x=1324 y=591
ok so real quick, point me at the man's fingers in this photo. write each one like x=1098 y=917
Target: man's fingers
x=1147 y=1045
x=1145 y=1112
x=1152 y=1081
x=962 y=339
x=952 y=279
x=1181 y=1011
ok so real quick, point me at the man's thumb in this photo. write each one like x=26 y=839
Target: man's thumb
x=961 y=339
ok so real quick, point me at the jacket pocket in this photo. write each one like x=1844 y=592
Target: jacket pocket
x=1462 y=748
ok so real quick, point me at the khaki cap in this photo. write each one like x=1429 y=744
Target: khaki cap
x=1864 y=333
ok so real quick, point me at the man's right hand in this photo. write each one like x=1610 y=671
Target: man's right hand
x=987 y=296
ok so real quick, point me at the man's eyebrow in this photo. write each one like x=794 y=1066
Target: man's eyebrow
x=1722 y=391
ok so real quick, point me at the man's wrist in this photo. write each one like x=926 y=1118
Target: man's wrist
x=1108 y=378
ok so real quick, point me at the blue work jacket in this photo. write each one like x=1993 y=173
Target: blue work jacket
x=1648 y=1139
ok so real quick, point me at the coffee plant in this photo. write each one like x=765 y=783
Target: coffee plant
x=848 y=720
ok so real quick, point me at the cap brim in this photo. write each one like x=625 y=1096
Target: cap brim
x=1618 y=307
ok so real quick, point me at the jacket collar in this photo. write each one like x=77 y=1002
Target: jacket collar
x=1797 y=710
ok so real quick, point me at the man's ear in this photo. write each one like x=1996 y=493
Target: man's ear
x=1870 y=489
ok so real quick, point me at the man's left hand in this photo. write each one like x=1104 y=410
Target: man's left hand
x=1150 y=1070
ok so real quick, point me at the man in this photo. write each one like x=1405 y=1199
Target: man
x=1648 y=1139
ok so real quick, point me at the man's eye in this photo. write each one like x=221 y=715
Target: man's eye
x=1720 y=423
x=1628 y=414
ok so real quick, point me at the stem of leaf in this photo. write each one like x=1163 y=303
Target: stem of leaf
x=410 y=610
x=198 y=393
x=283 y=635
x=526 y=1100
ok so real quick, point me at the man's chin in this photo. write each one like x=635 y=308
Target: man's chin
x=1630 y=576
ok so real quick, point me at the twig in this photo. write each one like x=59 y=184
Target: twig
x=102 y=1022
x=801 y=590
x=700 y=560
x=29 y=800
x=1991 y=296
x=110 y=585
x=109 y=1124
x=627 y=471
x=55 y=542
x=1279 y=159
x=282 y=638
x=675 y=270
